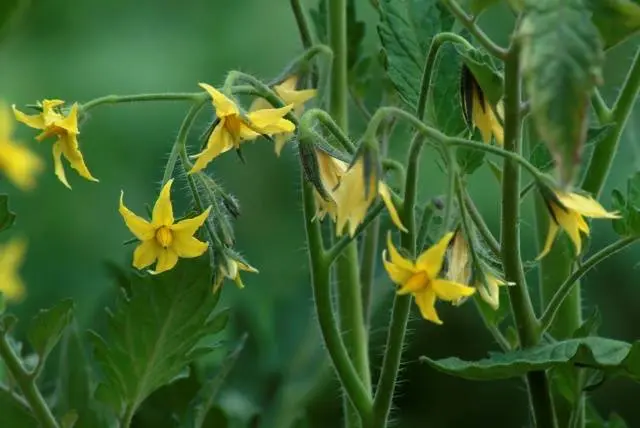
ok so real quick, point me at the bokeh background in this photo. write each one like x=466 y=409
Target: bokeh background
x=79 y=50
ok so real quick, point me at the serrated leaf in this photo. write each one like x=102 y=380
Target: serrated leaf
x=74 y=384
x=616 y=20
x=202 y=405
x=7 y=217
x=562 y=56
x=628 y=206
x=47 y=327
x=153 y=334
x=15 y=412
x=611 y=356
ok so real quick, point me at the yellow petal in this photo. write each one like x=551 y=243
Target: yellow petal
x=584 y=205
x=167 y=259
x=551 y=236
x=11 y=258
x=459 y=269
x=481 y=118
x=246 y=267
x=70 y=122
x=280 y=141
x=426 y=301
x=19 y=164
x=34 y=121
x=188 y=246
x=189 y=226
x=397 y=274
x=385 y=194
x=146 y=253
x=163 y=211
x=140 y=228
x=491 y=293
x=417 y=282
x=223 y=105
x=269 y=121
x=431 y=260
x=71 y=151
x=57 y=163
x=288 y=84
x=570 y=222
x=496 y=127
x=6 y=122
x=219 y=142
x=259 y=104
x=396 y=258
x=450 y=291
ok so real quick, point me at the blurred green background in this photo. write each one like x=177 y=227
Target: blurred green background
x=79 y=50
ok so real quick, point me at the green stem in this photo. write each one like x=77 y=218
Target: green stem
x=344 y=241
x=482 y=227
x=600 y=107
x=27 y=384
x=368 y=267
x=117 y=99
x=603 y=154
x=521 y=306
x=303 y=24
x=319 y=264
x=330 y=124
x=565 y=289
x=470 y=24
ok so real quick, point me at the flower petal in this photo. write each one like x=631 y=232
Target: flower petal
x=189 y=226
x=146 y=253
x=280 y=141
x=223 y=105
x=491 y=293
x=417 y=282
x=584 y=205
x=35 y=121
x=431 y=260
x=220 y=141
x=71 y=151
x=426 y=301
x=247 y=268
x=140 y=228
x=167 y=259
x=551 y=236
x=57 y=163
x=270 y=121
x=571 y=222
x=397 y=274
x=450 y=291
x=385 y=194
x=163 y=210
x=70 y=122
x=188 y=246
x=19 y=164
x=396 y=258
x=496 y=128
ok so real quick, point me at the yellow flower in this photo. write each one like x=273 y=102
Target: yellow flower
x=460 y=271
x=162 y=239
x=233 y=127
x=287 y=93
x=11 y=257
x=331 y=171
x=232 y=271
x=421 y=278
x=352 y=201
x=568 y=213
x=19 y=164
x=478 y=111
x=53 y=123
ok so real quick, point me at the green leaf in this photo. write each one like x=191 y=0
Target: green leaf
x=444 y=106
x=47 y=327
x=616 y=20
x=15 y=412
x=628 y=205
x=155 y=332
x=562 y=56
x=74 y=383
x=7 y=217
x=469 y=160
x=202 y=406
x=590 y=326
x=611 y=356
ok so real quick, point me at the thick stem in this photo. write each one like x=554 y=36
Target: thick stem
x=605 y=151
x=521 y=307
x=303 y=24
x=27 y=384
x=368 y=268
x=319 y=264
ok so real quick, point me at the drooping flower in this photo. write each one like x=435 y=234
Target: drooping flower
x=331 y=171
x=420 y=278
x=354 y=195
x=17 y=162
x=163 y=239
x=11 y=258
x=54 y=123
x=234 y=127
x=567 y=212
x=477 y=110
x=460 y=270
x=290 y=95
x=231 y=270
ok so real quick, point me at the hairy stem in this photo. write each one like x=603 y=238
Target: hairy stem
x=27 y=384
